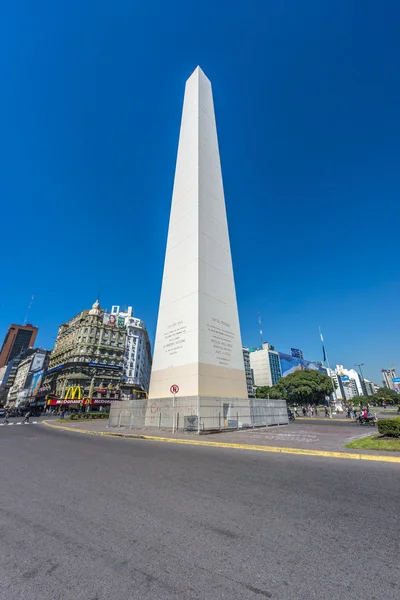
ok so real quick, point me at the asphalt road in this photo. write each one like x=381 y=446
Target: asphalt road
x=96 y=518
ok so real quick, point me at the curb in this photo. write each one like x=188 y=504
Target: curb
x=303 y=451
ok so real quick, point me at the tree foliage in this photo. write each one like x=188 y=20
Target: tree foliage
x=267 y=392
x=387 y=395
x=304 y=387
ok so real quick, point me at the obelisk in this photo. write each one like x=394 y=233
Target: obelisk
x=198 y=344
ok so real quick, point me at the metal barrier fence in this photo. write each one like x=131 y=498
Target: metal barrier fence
x=198 y=414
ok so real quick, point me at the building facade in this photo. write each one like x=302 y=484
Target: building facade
x=351 y=375
x=136 y=367
x=249 y=373
x=387 y=378
x=265 y=365
x=87 y=360
x=10 y=374
x=275 y=365
x=35 y=362
x=18 y=338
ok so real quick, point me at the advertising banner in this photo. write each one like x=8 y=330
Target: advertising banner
x=290 y=364
x=35 y=384
x=296 y=353
x=37 y=362
x=109 y=320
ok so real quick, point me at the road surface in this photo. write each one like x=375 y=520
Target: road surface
x=95 y=518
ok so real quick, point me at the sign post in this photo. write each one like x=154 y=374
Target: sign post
x=174 y=389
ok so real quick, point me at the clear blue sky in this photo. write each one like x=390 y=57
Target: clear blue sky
x=307 y=97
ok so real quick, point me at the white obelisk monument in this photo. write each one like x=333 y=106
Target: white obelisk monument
x=198 y=345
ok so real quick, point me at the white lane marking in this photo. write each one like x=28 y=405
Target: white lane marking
x=34 y=422
x=18 y=423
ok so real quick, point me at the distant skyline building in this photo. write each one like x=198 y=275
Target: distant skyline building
x=17 y=339
x=388 y=376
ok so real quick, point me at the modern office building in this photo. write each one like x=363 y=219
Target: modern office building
x=351 y=375
x=369 y=387
x=87 y=359
x=248 y=371
x=275 y=365
x=10 y=374
x=388 y=376
x=17 y=339
x=265 y=365
x=34 y=362
x=136 y=367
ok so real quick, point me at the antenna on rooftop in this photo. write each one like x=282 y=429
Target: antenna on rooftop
x=261 y=333
x=29 y=308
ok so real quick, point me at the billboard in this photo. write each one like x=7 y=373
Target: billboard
x=111 y=320
x=290 y=364
x=296 y=353
x=35 y=383
x=38 y=361
x=396 y=379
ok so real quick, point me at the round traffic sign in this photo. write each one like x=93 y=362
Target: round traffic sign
x=174 y=389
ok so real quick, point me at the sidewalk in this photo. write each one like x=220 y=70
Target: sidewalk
x=314 y=437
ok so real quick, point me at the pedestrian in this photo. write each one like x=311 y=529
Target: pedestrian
x=303 y=408
x=62 y=414
x=28 y=414
x=326 y=411
x=296 y=414
x=6 y=415
x=316 y=411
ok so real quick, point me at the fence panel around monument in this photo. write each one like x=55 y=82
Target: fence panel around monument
x=210 y=414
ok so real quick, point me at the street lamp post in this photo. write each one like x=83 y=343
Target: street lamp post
x=362 y=378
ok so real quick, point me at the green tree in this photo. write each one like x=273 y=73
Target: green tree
x=267 y=392
x=304 y=387
x=387 y=395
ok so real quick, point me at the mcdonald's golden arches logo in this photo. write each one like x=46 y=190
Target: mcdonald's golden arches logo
x=74 y=392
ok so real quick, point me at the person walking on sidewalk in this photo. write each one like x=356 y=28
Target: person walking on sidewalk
x=6 y=415
x=26 y=420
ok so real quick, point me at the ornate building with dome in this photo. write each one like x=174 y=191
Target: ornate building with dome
x=86 y=363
